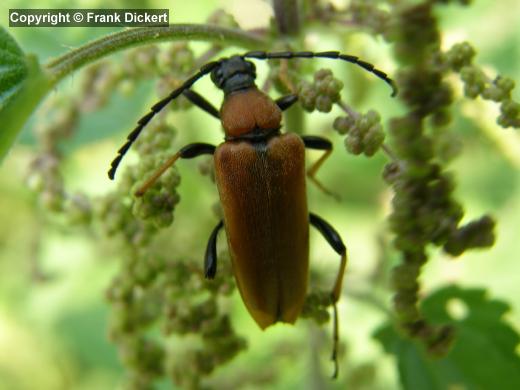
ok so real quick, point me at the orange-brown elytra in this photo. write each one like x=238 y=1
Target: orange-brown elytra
x=260 y=175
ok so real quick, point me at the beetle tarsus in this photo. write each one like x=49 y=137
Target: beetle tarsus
x=334 y=239
x=335 y=340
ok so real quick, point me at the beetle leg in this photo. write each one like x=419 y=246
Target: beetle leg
x=201 y=102
x=287 y=101
x=319 y=143
x=188 y=151
x=335 y=241
x=210 y=258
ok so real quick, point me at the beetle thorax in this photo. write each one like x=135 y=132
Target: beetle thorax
x=249 y=111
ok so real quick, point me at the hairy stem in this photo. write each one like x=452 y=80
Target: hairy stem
x=99 y=48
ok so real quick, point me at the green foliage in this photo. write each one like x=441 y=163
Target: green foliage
x=22 y=85
x=483 y=355
x=14 y=69
x=167 y=321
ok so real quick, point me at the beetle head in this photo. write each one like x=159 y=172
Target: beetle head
x=234 y=73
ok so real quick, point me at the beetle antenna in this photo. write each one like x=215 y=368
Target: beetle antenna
x=335 y=55
x=156 y=108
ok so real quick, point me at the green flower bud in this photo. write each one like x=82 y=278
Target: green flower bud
x=323 y=103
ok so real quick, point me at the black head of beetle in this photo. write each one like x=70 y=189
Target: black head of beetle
x=234 y=73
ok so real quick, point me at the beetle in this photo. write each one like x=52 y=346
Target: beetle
x=260 y=176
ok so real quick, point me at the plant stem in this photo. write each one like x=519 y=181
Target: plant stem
x=93 y=51
x=345 y=107
x=287 y=16
x=389 y=152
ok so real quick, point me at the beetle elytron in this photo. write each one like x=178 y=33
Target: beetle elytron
x=260 y=175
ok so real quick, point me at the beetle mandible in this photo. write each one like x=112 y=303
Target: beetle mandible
x=260 y=176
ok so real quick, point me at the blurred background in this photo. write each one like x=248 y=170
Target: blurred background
x=53 y=312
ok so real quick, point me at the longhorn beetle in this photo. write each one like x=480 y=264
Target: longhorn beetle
x=260 y=175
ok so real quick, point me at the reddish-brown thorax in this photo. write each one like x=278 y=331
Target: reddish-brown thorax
x=249 y=110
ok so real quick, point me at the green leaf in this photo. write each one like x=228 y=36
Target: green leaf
x=483 y=356
x=13 y=69
x=22 y=86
